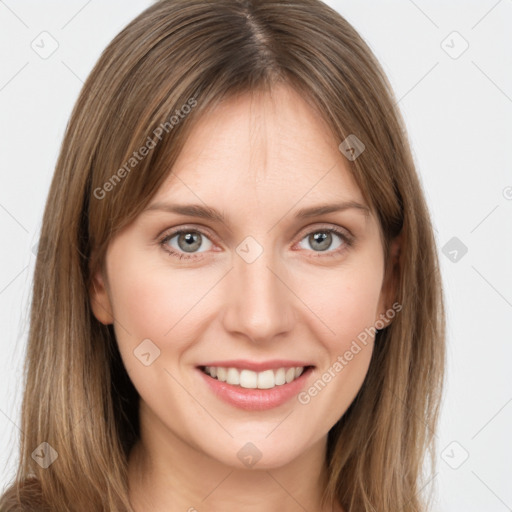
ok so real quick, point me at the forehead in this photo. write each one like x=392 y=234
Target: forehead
x=263 y=148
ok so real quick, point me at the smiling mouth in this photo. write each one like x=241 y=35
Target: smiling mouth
x=249 y=379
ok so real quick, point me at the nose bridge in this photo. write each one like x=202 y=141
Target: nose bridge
x=259 y=305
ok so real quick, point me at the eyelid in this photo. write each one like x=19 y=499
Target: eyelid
x=319 y=226
x=171 y=232
x=347 y=238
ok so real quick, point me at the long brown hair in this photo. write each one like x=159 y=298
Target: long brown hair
x=78 y=397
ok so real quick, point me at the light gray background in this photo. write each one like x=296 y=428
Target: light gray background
x=459 y=116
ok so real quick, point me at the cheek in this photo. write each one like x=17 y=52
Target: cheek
x=348 y=307
x=143 y=302
x=149 y=301
x=347 y=302
x=150 y=306
x=152 y=301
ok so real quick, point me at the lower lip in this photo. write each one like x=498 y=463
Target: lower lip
x=256 y=399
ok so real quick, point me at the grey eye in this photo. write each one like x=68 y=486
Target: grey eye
x=321 y=240
x=189 y=241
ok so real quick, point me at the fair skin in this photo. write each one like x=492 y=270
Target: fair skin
x=258 y=161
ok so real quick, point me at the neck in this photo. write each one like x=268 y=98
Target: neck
x=167 y=474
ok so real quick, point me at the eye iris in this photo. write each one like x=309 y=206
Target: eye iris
x=192 y=241
x=321 y=237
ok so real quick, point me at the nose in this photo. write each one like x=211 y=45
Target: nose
x=259 y=303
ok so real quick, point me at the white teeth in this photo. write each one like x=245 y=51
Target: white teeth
x=266 y=379
x=254 y=380
x=280 y=377
x=248 y=379
x=232 y=376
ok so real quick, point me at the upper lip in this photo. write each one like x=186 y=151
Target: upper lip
x=243 y=364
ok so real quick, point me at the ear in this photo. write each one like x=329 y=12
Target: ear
x=100 y=300
x=390 y=284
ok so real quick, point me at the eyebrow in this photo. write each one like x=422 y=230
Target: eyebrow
x=314 y=211
x=205 y=212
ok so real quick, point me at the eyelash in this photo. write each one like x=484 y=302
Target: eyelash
x=348 y=242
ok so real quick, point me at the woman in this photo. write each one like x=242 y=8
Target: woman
x=237 y=301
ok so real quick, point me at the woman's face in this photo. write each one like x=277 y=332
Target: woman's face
x=269 y=288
